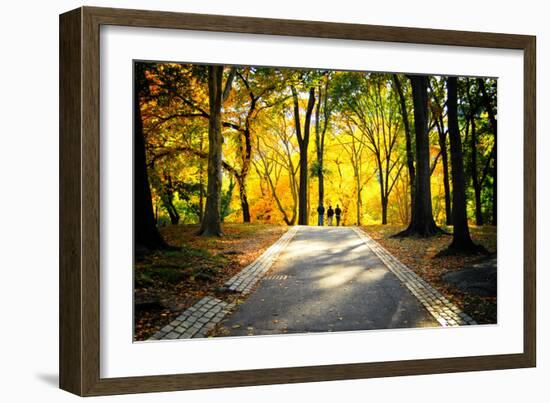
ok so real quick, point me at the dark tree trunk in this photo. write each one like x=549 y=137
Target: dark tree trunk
x=244 y=174
x=319 y=147
x=473 y=162
x=408 y=136
x=383 y=192
x=446 y=184
x=320 y=138
x=422 y=222
x=495 y=198
x=145 y=230
x=169 y=202
x=359 y=201
x=442 y=135
x=211 y=223
x=172 y=213
x=493 y=121
x=303 y=143
x=244 y=199
x=384 y=210
x=201 y=199
x=201 y=183
x=461 y=234
x=321 y=178
x=246 y=157
x=302 y=193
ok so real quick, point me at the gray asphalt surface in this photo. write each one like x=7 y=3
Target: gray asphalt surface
x=327 y=279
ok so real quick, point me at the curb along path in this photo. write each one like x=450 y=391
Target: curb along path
x=443 y=310
x=249 y=276
x=198 y=320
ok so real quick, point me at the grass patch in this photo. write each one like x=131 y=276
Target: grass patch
x=176 y=279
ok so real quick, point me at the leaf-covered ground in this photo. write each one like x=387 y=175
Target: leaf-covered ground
x=168 y=282
x=420 y=255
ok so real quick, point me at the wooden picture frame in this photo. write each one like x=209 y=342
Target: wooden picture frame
x=80 y=215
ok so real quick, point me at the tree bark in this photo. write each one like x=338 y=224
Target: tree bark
x=493 y=121
x=319 y=147
x=145 y=230
x=211 y=223
x=359 y=201
x=303 y=143
x=201 y=183
x=461 y=234
x=244 y=198
x=473 y=167
x=245 y=168
x=437 y=110
x=446 y=184
x=169 y=202
x=408 y=135
x=320 y=138
x=384 y=210
x=422 y=222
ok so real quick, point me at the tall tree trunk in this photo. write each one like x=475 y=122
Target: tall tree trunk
x=422 y=222
x=201 y=183
x=320 y=138
x=383 y=192
x=303 y=143
x=145 y=230
x=319 y=148
x=408 y=136
x=384 y=210
x=247 y=155
x=474 y=173
x=211 y=223
x=493 y=121
x=169 y=202
x=359 y=204
x=446 y=184
x=172 y=212
x=437 y=110
x=461 y=234
x=244 y=199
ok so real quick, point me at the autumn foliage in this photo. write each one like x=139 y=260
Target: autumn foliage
x=355 y=154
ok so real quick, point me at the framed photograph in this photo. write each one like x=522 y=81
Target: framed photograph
x=248 y=201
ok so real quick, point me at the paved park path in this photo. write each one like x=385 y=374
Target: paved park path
x=327 y=279
x=319 y=279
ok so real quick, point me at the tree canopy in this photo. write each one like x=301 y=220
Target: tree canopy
x=282 y=141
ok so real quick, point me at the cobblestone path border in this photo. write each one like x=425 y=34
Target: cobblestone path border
x=249 y=276
x=195 y=321
x=443 y=310
x=198 y=320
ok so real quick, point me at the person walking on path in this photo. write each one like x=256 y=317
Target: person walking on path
x=321 y=213
x=330 y=214
x=338 y=213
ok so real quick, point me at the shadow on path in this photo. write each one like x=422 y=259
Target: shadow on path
x=332 y=282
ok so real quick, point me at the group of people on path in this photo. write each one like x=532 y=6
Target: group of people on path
x=330 y=215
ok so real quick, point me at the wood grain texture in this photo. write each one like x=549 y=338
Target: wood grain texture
x=530 y=201
x=80 y=195
x=90 y=202
x=70 y=186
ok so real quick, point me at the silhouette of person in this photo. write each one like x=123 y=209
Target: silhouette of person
x=330 y=214
x=338 y=213
x=321 y=213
